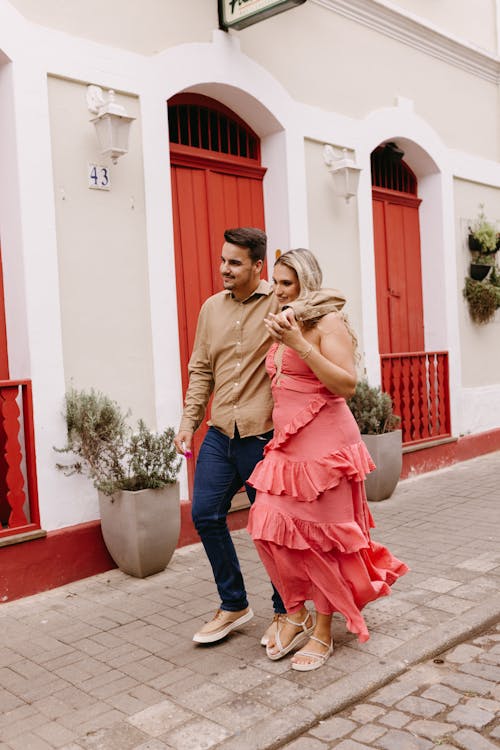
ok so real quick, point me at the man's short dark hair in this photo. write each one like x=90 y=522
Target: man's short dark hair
x=255 y=240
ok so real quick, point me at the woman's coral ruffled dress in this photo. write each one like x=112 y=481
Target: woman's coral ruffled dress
x=310 y=520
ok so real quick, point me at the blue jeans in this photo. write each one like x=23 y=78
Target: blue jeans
x=223 y=466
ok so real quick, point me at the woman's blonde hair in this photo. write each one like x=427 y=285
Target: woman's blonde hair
x=310 y=278
x=305 y=265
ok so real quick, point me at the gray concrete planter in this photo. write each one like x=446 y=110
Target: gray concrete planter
x=141 y=529
x=387 y=453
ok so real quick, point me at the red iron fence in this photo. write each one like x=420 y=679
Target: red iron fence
x=419 y=387
x=18 y=487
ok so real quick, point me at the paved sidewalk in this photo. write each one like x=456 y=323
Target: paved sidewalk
x=108 y=663
x=449 y=702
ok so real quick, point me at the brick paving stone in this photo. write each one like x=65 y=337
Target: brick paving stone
x=198 y=734
x=29 y=741
x=368 y=733
x=392 y=693
x=55 y=734
x=487 y=703
x=160 y=718
x=395 y=739
x=205 y=696
x=420 y=706
x=467 y=739
x=305 y=743
x=278 y=692
x=451 y=604
x=470 y=715
x=240 y=714
x=439 y=585
x=396 y=719
x=486 y=671
x=442 y=694
x=433 y=730
x=117 y=737
x=333 y=729
x=352 y=745
x=240 y=680
x=468 y=683
x=365 y=712
x=463 y=653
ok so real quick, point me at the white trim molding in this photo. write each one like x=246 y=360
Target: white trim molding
x=405 y=27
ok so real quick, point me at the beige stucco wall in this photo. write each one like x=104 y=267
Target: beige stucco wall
x=101 y=245
x=338 y=65
x=473 y=21
x=479 y=343
x=333 y=232
x=146 y=27
x=348 y=68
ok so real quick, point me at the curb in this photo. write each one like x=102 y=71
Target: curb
x=297 y=719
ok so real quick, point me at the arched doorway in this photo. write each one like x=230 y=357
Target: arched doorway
x=216 y=184
x=417 y=380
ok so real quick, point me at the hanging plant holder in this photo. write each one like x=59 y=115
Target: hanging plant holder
x=479 y=271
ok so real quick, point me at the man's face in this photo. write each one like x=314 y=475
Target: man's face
x=240 y=274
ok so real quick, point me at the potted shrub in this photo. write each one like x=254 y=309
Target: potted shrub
x=484 y=242
x=135 y=473
x=379 y=427
x=483 y=298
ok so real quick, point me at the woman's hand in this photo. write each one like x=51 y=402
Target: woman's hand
x=283 y=328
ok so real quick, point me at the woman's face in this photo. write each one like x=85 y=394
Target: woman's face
x=286 y=284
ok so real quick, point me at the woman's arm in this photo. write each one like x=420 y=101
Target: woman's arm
x=328 y=349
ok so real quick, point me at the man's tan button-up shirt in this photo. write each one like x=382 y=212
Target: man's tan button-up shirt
x=228 y=358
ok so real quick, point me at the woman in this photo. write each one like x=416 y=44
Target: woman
x=310 y=521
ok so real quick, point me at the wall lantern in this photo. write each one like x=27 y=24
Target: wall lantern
x=343 y=170
x=112 y=123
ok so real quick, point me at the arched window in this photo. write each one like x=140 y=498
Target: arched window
x=390 y=172
x=198 y=122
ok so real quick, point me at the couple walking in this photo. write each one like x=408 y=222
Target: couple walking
x=282 y=356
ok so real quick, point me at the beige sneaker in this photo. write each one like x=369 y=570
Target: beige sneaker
x=222 y=624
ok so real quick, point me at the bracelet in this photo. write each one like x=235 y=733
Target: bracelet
x=306 y=353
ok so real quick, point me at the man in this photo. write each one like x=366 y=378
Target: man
x=228 y=359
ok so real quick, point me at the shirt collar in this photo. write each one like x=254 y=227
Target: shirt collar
x=264 y=289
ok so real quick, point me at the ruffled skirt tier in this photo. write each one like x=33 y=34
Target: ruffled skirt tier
x=310 y=521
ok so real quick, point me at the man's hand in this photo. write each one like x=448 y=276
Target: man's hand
x=182 y=442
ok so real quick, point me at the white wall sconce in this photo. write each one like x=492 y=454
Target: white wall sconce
x=344 y=171
x=112 y=123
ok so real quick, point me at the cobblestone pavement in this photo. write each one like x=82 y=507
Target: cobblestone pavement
x=451 y=701
x=107 y=663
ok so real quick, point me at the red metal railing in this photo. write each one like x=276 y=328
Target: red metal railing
x=18 y=487
x=419 y=387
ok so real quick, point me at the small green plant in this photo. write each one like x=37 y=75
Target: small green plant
x=372 y=410
x=483 y=298
x=483 y=237
x=109 y=452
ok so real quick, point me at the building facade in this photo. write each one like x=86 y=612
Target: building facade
x=100 y=288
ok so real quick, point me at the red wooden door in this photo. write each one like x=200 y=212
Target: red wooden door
x=398 y=272
x=206 y=202
x=216 y=184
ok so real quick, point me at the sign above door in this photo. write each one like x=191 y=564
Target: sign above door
x=238 y=14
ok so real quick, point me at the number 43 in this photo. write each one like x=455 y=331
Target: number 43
x=99 y=177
